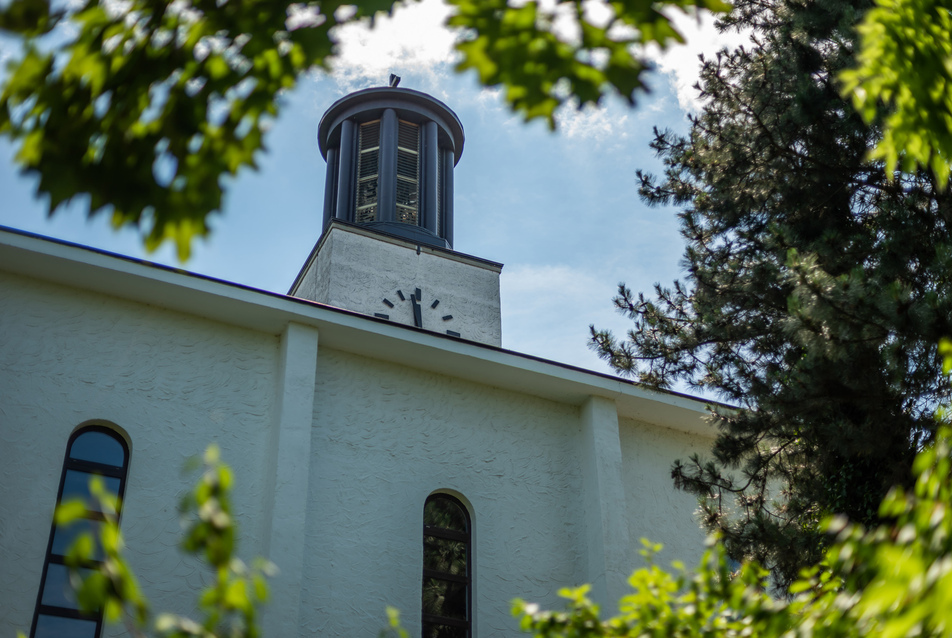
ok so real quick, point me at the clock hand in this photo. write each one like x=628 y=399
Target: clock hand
x=417 y=313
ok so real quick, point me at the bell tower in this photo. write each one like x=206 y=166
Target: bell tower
x=386 y=247
x=390 y=156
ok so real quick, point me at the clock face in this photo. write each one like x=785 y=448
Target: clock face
x=424 y=314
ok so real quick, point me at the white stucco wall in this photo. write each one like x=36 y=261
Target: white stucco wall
x=173 y=383
x=385 y=438
x=356 y=269
x=358 y=458
x=656 y=510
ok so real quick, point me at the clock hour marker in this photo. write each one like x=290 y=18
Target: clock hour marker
x=436 y=302
x=419 y=295
x=387 y=302
x=400 y=294
x=452 y=334
x=380 y=315
x=447 y=317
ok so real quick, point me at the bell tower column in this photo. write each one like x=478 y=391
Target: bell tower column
x=430 y=186
x=387 y=175
x=344 y=170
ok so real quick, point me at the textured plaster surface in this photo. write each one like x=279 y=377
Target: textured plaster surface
x=172 y=383
x=356 y=272
x=605 y=522
x=285 y=502
x=385 y=438
x=334 y=455
x=656 y=510
x=315 y=285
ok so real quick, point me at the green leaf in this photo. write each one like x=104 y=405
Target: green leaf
x=69 y=511
x=143 y=68
x=236 y=596
x=898 y=67
x=28 y=17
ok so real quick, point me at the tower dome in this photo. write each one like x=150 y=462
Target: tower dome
x=390 y=156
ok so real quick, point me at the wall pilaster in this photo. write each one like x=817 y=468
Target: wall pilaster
x=607 y=542
x=289 y=463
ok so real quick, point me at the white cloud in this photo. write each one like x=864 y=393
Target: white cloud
x=548 y=281
x=414 y=39
x=680 y=62
x=592 y=123
x=547 y=310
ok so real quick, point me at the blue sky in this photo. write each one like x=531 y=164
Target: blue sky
x=559 y=210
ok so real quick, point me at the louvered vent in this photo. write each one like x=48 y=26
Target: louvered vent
x=408 y=173
x=368 y=159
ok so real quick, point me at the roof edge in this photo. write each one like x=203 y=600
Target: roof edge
x=81 y=267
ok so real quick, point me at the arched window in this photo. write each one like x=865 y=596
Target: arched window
x=408 y=173
x=91 y=451
x=447 y=568
x=368 y=166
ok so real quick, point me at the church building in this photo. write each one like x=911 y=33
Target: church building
x=387 y=450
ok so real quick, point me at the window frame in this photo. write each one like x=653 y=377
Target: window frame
x=54 y=558
x=466 y=537
x=407 y=129
x=368 y=211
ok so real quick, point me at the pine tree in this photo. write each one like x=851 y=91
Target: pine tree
x=816 y=292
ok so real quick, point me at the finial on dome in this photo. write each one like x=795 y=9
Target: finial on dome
x=394 y=80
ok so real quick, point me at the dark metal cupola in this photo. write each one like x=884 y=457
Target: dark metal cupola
x=390 y=156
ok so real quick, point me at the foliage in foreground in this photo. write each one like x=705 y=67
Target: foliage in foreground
x=816 y=289
x=891 y=581
x=903 y=76
x=229 y=605
x=148 y=106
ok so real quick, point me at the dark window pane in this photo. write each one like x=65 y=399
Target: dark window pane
x=446 y=547
x=64 y=536
x=443 y=631
x=57 y=590
x=444 y=598
x=76 y=485
x=444 y=555
x=57 y=627
x=98 y=447
x=444 y=512
x=366 y=193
